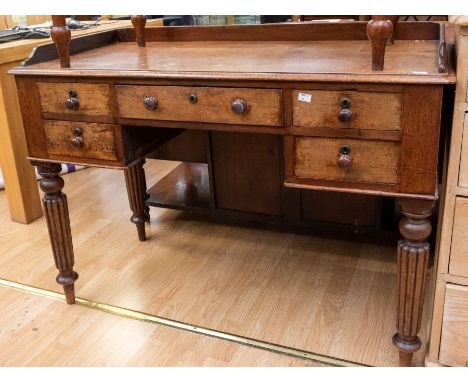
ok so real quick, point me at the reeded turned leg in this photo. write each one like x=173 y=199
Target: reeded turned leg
x=413 y=256
x=58 y=223
x=136 y=191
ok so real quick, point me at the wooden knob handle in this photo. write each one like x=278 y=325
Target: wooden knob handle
x=345 y=114
x=345 y=161
x=72 y=103
x=239 y=106
x=150 y=103
x=77 y=142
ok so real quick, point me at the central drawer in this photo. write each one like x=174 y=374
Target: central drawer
x=201 y=104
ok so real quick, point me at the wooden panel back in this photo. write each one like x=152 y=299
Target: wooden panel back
x=213 y=104
x=373 y=161
x=246 y=170
x=99 y=140
x=370 y=110
x=282 y=32
x=454 y=340
x=340 y=207
x=459 y=249
x=93 y=98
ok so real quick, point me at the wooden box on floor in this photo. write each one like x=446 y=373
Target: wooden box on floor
x=449 y=333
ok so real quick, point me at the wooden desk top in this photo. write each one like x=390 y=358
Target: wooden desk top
x=265 y=52
x=406 y=61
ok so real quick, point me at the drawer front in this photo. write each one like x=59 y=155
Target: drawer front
x=201 y=104
x=463 y=174
x=347 y=159
x=459 y=249
x=347 y=109
x=74 y=98
x=91 y=140
x=454 y=338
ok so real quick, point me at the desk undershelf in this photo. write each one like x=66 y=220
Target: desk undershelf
x=187 y=187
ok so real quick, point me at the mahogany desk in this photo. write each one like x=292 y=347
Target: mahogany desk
x=354 y=116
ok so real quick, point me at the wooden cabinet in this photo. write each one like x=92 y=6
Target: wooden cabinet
x=449 y=332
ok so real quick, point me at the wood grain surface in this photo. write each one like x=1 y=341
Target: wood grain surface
x=212 y=105
x=459 y=250
x=370 y=110
x=98 y=140
x=18 y=174
x=408 y=61
x=315 y=292
x=463 y=174
x=454 y=340
x=37 y=331
x=93 y=99
x=373 y=161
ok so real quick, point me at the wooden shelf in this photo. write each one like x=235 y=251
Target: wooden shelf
x=187 y=187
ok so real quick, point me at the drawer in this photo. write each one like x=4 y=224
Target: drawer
x=347 y=109
x=91 y=140
x=74 y=98
x=347 y=159
x=201 y=104
x=454 y=337
x=463 y=174
x=459 y=249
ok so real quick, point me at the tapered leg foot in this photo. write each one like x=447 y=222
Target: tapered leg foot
x=58 y=223
x=413 y=258
x=67 y=279
x=136 y=191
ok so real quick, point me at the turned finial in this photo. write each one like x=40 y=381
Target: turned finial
x=394 y=20
x=61 y=35
x=378 y=32
x=139 y=25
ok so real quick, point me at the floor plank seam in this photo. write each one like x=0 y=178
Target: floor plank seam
x=156 y=320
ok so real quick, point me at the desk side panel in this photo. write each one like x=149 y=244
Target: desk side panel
x=422 y=107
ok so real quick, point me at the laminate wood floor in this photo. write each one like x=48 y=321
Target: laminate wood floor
x=313 y=292
x=37 y=331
